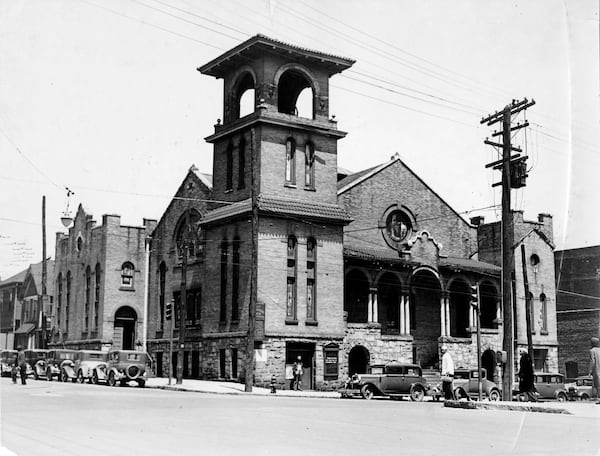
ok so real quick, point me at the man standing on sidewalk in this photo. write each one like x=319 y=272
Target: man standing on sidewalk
x=594 y=370
x=447 y=373
x=21 y=366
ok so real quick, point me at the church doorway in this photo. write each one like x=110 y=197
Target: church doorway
x=488 y=362
x=358 y=360
x=124 y=332
x=425 y=321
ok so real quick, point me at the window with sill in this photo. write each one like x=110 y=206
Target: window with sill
x=127 y=271
x=235 y=280
x=311 y=280
x=543 y=314
x=309 y=166
x=96 y=296
x=242 y=163
x=229 y=167
x=88 y=293
x=292 y=255
x=223 y=289
x=162 y=274
x=290 y=161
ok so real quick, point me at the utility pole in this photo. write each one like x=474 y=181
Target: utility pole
x=513 y=176
x=43 y=309
x=249 y=380
x=182 y=311
x=527 y=303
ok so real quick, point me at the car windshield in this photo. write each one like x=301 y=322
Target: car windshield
x=135 y=357
x=95 y=356
x=65 y=356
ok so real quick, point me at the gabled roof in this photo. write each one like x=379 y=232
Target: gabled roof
x=373 y=254
x=19 y=277
x=540 y=234
x=35 y=272
x=466 y=264
x=355 y=179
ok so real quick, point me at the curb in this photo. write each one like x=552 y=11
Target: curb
x=236 y=393
x=472 y=405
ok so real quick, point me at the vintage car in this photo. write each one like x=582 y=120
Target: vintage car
x=124 y=366
x=580 y=389
x=8 y=358
x=396 y=380
x=87 y=361
x=60 y=364
x=36 y=363
x=466 y=385
x=549 y=386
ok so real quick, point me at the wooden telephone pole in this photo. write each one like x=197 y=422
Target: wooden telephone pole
x=182 y=310
x=44 y=310
x=513 y=168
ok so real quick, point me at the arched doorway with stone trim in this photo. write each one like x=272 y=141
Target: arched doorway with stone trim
x=358 y=360
x=389 y=291
x=356 y=296
x=488 y=362
x=124 y=328
x=425 y=319
x=459 y=306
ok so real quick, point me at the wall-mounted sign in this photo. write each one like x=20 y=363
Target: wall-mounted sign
x=331 y=361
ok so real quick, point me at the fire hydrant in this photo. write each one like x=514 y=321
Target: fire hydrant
x=273 y=385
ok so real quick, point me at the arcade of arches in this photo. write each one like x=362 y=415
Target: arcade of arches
x=420 y=306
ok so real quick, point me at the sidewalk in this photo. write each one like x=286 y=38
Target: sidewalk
x=579 y=409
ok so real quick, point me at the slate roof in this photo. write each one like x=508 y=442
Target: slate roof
x=281 y=206
x=467 y=264
x=374 y=254
x=19 y=277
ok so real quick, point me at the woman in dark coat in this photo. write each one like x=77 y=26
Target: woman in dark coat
x=526 y=377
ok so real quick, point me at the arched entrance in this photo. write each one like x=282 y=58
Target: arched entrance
x=124 y=332
x=425 y=321
x=389 y=303
x=488 y=362
x=459 y=309
x=358 y=360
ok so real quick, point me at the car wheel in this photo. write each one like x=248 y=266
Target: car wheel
x=585 y=397
x=460 y=393
x=494 y=395
x=141 y=383
x=95 y=379
x=417 y=393
x=80 y=378
x=112 y=381
x=367 y=392
x=561 y=397
x=64 y=377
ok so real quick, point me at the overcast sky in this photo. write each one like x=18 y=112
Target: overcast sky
x=103 y=97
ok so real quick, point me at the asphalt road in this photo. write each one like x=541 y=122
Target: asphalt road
x=45 y=418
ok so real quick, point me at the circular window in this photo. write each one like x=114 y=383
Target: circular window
x=534 y=259
x=398 y=225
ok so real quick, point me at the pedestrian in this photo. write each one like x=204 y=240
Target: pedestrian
x=447 y=373
x=298 y=370
x=526 y=377
x=20 y=366
x=594 y=369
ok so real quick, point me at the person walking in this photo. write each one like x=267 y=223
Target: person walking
x=447 y=373
x=298 y=371
x=526 y=377
x=21 y=366
x=594 y=369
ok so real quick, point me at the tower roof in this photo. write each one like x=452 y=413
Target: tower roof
x=257 y=45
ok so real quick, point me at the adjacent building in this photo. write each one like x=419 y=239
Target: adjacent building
x=100 y=284
x=577 y=306
x=11 y=294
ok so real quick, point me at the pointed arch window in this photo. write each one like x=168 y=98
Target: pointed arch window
x=96 y=296
x=223 y=294
x=88 y=298
x=309 y=166
x=59 y=302
x=162 y=275
x=242 y=163
x=543 y=314
x=229 y=167
x=311 y=280
x=292 y=256
x=68 y=301
x=235 y=281
x=290 y=161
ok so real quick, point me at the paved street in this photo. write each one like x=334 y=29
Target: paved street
x=55 y=418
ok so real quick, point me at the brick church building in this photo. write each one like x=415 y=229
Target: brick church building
x=351 y=269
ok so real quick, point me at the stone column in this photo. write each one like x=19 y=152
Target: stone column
x=375 y=305
x=443 y=315
x=402 y=315
x=370 y=308
x=406 y=305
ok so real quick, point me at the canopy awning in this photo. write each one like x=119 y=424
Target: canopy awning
x=25 y=328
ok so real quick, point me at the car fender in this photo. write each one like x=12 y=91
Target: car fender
x=375 y=388
x=100 y=371
x=69 y=369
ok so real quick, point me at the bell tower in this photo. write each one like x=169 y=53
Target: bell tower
x=275 y=137
x=296 y=152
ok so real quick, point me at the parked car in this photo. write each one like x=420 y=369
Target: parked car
x=580 y=389
x=466 y=385
x=60 y=365
x=8 y=358
x=124 y=366
x=550 y=386
x=36 y=363
x=87 y=361
x=395 y=380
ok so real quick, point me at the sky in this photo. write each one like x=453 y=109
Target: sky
x=102 y=97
